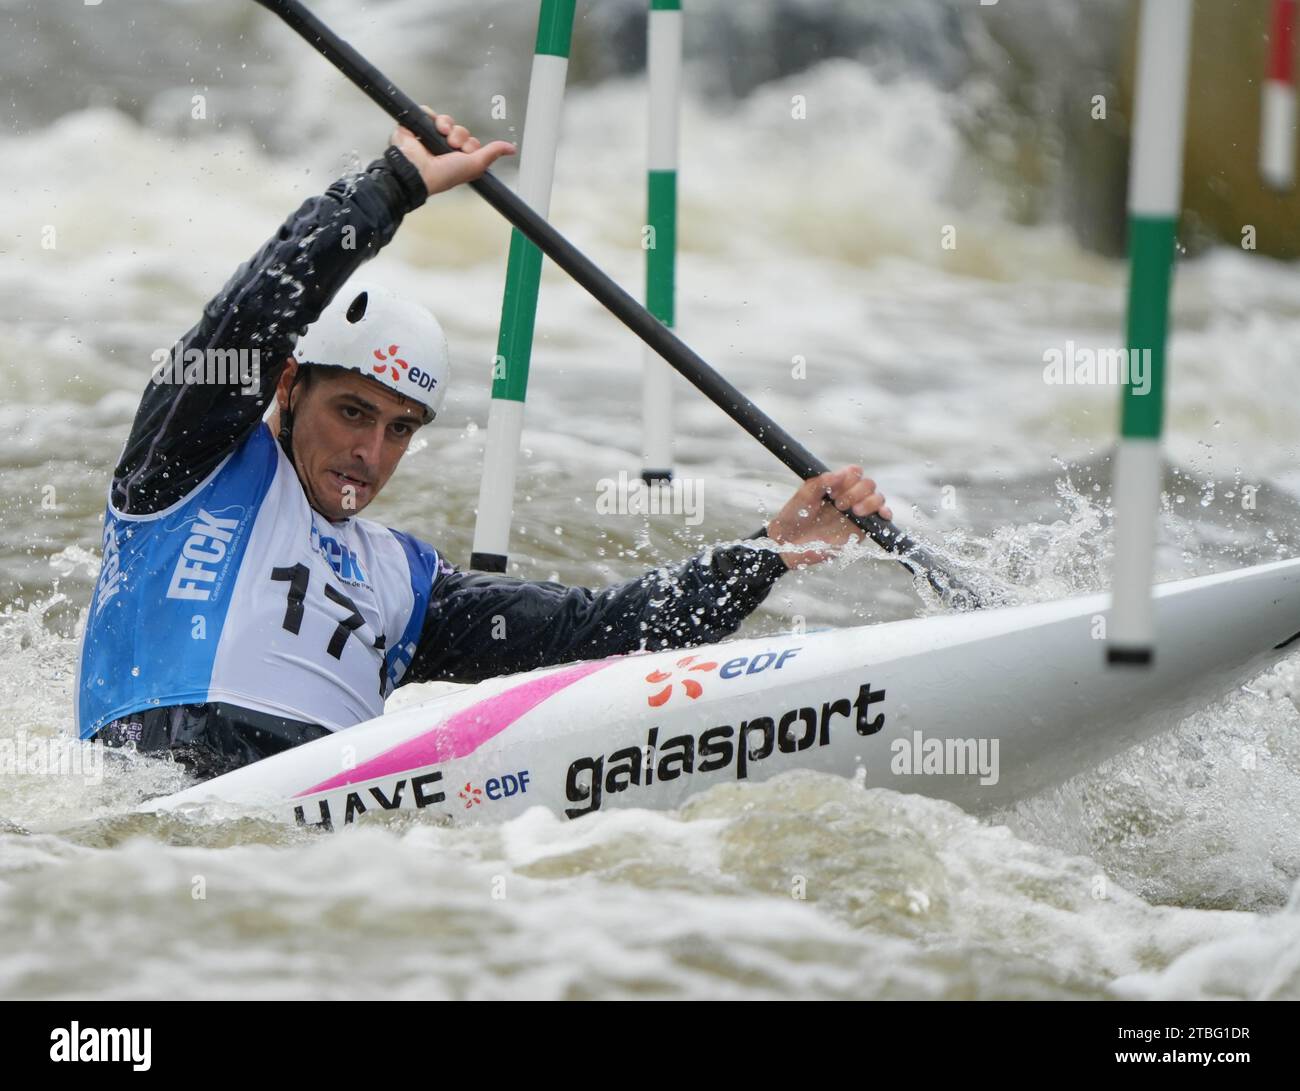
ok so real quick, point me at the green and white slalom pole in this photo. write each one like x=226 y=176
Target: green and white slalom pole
x=664 y=76
x=1155 y=196
x=523 y=273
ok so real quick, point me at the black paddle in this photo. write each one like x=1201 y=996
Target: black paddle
x=627 y=310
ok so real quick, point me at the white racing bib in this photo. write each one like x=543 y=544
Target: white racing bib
x=241 y=593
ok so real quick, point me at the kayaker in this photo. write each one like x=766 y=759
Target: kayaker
x=242 y=606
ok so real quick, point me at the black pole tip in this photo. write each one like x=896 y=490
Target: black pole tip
x=1130 y=657
x=488 y=562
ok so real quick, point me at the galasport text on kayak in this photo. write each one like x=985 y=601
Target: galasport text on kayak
x=756 y=739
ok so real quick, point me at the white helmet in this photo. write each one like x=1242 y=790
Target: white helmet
x=369 y=330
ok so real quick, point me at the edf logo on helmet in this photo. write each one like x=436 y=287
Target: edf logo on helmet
x=422 y=379
x=388 y=365
x=365 y=328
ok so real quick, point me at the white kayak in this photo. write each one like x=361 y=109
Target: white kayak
x=980 y=708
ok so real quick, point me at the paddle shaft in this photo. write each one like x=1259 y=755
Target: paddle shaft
x=627 y=310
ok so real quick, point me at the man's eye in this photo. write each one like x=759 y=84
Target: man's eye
x=351 y=412
x=402 y=430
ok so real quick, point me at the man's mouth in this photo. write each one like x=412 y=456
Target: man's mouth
x=347 y=481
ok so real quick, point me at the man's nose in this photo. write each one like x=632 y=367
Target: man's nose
x=367 y=447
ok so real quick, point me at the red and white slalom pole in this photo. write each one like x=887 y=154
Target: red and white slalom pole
x=1277 y=113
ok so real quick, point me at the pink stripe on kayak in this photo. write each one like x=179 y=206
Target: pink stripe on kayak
x=465 y=732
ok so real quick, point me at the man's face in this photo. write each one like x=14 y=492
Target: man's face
x=349 y=433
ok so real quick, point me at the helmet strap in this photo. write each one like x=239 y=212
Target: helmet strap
x=286 y=420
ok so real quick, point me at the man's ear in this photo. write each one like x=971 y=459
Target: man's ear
x=285 y=384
